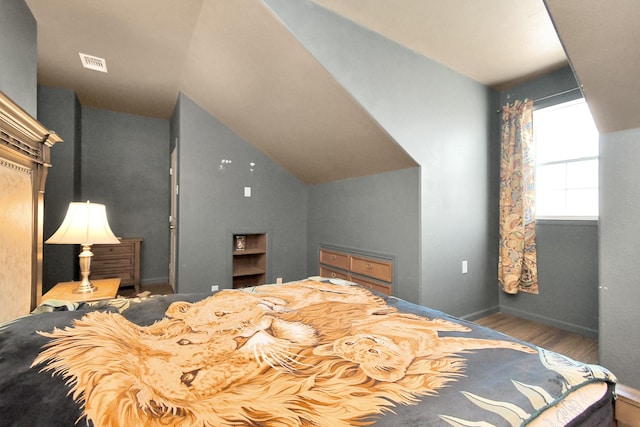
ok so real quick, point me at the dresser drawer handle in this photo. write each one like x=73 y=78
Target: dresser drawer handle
x=333 y=257
x=334 y=275
x=369 y=265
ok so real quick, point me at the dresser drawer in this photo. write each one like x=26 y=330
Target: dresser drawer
x=334 y=259
x=383 y=288
x=377 y=269
x=333 y=274
x=371 y=270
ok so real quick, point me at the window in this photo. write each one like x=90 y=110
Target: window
x=566 y=161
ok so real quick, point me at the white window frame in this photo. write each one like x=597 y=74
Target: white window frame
x=566 y=161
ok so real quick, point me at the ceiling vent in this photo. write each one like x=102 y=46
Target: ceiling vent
x=93 y=62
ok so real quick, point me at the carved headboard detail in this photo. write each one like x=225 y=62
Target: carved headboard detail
x=24 y=161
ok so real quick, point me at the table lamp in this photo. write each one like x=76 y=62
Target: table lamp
x=85 y=224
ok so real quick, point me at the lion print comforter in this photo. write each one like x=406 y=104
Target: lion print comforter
x=307 y=353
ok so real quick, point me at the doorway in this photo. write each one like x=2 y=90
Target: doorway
x=173 y=218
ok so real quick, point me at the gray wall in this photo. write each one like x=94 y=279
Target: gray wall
x=18 y=80
x=119 y=159
x=378 y=213
x=59 y=110
x=18 y=50
x=567 y=250
x=568 y=278
x=552 y=88
x=421 y=104
x=125 y=165
x=443 y=121
x=212 y=205
x=619 y=254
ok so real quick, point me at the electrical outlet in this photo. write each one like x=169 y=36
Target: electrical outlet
x=464 y=267
x=279 y=281
x=214 y=288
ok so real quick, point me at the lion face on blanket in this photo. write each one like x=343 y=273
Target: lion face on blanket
x=258 y=359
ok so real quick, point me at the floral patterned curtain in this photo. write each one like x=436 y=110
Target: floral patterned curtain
x=517 y=260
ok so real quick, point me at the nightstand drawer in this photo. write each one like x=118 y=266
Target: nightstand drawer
x=127 y=277
x=111 y=264
x=125 y=249
x=119 y=260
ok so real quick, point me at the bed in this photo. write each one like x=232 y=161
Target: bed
x=25 y=147
x=316 y=352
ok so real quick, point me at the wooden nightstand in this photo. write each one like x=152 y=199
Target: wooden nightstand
x=107 y=289
x=627 y=406
x=119 y=260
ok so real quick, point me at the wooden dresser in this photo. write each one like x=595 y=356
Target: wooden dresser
x=122 y=261
x=368 y=270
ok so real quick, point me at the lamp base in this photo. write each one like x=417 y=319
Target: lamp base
x=84 y=288
x=85 y=269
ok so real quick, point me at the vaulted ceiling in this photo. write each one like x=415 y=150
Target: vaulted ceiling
x=602 y=40
x=237 y=61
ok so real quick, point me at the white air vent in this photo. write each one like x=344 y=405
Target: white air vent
x=93 y=62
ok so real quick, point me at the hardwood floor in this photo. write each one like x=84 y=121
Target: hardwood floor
x=573 y=345
x=152 y=289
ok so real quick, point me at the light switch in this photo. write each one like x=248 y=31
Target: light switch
x=464 y=267
x=247 y=191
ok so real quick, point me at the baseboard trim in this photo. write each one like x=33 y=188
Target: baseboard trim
x=581 y=330
x=480 y=314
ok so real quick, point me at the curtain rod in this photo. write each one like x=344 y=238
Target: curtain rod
x=548 y=96
x=556 y=94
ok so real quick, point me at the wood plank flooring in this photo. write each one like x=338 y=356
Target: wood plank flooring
x=573 y=345
x=152 y=289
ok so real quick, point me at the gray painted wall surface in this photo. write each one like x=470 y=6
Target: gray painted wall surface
x=59 y=110
x=568 y=278
x=416 y=100
x=125 y=165
x=19 y=53
x=378 y=213
x=213 y=207
x=552 y=88
x=619 y=254
x=567 y=251
x=443 y=121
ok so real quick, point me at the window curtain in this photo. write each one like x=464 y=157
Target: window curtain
x=517 y=260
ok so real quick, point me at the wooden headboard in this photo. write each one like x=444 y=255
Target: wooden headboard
x=24 y=161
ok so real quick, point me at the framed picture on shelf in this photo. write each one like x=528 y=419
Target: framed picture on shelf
x=241 y=243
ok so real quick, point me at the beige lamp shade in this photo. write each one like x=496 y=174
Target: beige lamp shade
x=84 y=224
